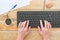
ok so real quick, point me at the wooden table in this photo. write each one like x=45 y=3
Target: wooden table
x=9 y=32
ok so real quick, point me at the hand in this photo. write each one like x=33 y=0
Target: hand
x=23 y=30
x=45 y=31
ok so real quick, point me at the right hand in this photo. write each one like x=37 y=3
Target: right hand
x=45 y=31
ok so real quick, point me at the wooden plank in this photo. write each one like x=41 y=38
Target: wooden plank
x=12 y=35
x=52 y=5
x=34 y=5
x=34 y=34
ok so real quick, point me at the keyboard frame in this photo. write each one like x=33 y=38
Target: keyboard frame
x=54 y=13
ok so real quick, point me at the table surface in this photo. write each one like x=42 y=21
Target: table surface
x=35 y=5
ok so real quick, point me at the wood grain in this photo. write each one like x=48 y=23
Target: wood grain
x=34 y=35
x=9 y=32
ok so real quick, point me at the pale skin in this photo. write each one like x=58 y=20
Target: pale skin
x=24 y=30
x=45 y=31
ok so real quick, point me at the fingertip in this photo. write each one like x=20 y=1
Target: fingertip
x=28 y=21
x=40 y=20
x=19 y=24
x=27 y=24
x=29 y=28
x=45 y=23
x=50 y=25
x=38 y=27
x=41 y=24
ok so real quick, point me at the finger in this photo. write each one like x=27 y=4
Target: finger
x=19 y=25
x=41 y=24
x=29 y=29
x=23 y=24
x=39 y=28
x=49 y=25
x=27 y=24
x=46 y=24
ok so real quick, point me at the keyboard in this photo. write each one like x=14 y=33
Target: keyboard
x=34 y=16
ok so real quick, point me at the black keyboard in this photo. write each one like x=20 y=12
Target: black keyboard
x=34 y=16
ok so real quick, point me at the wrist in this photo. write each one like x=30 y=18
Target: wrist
x=46 y=38
x=20 y=38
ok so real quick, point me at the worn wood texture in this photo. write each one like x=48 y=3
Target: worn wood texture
x=9 y=32
x=34 y=35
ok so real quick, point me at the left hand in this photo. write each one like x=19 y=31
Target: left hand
x=23 y=30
